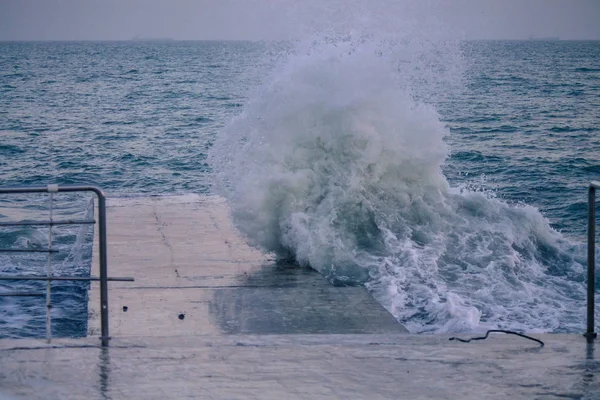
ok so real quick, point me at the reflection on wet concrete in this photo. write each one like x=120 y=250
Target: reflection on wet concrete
x=287 y=299
x=349 y=366
x=590 y=369
x=104 y=372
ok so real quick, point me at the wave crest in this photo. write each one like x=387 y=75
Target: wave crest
x=337 y=163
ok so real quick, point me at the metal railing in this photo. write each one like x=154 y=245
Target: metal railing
x=104 y=278
x=590 y=334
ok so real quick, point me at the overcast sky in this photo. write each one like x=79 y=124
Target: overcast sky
x=283 y=19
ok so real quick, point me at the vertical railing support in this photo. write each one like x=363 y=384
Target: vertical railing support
x=49 y=273
x=103 y=268
x=590 y=334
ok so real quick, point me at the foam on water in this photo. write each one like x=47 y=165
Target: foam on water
x=337 y=163
x=25 y=316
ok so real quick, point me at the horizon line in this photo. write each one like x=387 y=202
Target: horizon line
x=167 y=40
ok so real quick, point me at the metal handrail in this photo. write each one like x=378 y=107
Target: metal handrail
x=63 y=278
x=590 y=334
x=104 y=278
x=49 y=223
x=22 y=294
x=28 y=251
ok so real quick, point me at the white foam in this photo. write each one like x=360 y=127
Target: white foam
x=336 y=161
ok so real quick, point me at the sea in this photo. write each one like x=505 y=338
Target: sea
x=447 y=177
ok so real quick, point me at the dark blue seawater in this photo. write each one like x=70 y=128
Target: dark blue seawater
x=527 y=122
x=130 y=117
x=140 y=118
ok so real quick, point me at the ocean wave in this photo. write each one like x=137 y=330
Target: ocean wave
x=337 y=164
x=587 y=69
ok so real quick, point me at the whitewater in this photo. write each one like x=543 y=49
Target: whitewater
x=336 y=163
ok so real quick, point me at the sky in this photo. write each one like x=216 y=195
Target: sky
x=287 y=19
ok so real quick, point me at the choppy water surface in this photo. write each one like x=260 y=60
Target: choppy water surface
x=449 y=179
x=130 y=117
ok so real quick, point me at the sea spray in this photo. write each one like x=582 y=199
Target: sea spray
x=336 y=162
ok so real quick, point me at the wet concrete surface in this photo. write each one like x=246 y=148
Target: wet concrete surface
x=195 y=276
x=349 y=366
x=210 y=318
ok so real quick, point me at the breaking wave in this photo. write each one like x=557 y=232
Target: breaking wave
x=337 y=161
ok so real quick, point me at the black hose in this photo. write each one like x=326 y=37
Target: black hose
x=501 y=331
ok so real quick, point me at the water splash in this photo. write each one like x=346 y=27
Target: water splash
x=336 y=163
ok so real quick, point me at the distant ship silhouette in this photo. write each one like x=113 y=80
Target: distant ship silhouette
x=546 y=38
x=150 y=39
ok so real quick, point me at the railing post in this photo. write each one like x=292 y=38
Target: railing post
x=49 y=270
x=591 y=262
x=103 y=269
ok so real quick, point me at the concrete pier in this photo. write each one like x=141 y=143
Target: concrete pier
x=195 y=276
x=210 y=318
